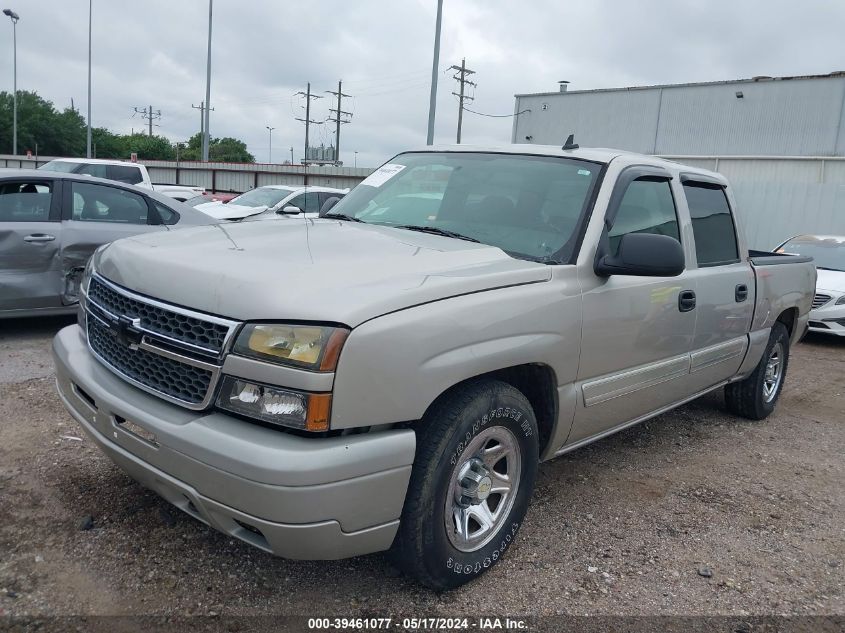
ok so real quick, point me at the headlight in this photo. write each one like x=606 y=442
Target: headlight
x=282 y=407
x=309 y=346
x=840 y=301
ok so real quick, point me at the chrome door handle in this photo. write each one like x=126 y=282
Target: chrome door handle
x=39 y=237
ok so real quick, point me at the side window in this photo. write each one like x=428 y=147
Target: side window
x=307 y=202
x=167 y=215
x=22 y=201
x=100 y=203
x=712 y=224
x=125 y=173
x=646 y=207
x=93 y=169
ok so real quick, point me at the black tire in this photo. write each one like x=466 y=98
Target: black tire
x=747 y=397
x=458 y=421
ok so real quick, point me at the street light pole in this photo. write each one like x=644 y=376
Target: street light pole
x=356 y=159
x=14 y=17
x=291 y=155
x=271 y=142
x=432 y=100
x=205 y=136
x=88 y=145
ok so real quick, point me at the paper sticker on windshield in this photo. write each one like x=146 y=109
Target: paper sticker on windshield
x=382 y=175
x=583 y=172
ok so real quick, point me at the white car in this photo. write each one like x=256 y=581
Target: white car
x=121 y=171
x=828 y=251
x=273 y=200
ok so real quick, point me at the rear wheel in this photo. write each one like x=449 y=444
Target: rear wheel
x=477 y=455
x=756 y=396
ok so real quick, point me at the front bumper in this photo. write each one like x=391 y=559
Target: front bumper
x=297 y=497
x=828 y=319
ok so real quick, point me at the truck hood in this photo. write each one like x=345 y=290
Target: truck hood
x=830 y=280
x=229 y=211
x=307 y=270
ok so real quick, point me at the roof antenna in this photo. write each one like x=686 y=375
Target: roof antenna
x=570 y=143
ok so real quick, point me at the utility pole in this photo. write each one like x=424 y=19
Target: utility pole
x=201 y=108
x=206 y=139
x=88 y=152
x=270 y=129
x=14 y=18
x=291 y=154
x=338 y=119
x=307 y=120
x=461 y=77
x=149 y=114
x=435 y=63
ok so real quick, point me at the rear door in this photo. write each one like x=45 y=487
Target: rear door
x=94 y=214
x=30 y=242
x=724 y=283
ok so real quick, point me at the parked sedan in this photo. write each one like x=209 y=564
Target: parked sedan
x=51 y=223
x=273 y=201
x=828 y=313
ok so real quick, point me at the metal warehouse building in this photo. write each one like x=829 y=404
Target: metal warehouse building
x=779 y=140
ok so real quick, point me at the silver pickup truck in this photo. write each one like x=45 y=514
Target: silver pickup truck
x=389 y=376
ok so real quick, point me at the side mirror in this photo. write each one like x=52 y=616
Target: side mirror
x=644 y=255
x=291 y=210
x=328 y=204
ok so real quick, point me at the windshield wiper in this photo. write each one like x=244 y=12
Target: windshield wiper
x=833 y=269
x=343 y=216
x=436 y=231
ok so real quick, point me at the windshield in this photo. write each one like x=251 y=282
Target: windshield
x=827 y=252
x=261 y=197
x=60 y=165
x=532 y=207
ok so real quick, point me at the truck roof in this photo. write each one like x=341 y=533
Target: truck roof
x=594 y=154
x=99 y=161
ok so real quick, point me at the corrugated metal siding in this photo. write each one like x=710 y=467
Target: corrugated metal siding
x=799 y=117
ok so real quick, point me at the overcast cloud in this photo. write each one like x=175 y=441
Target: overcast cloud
x=153 y=53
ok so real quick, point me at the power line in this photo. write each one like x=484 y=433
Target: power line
x=149 y=114
x=461 y=77
x=498 y=116
x=338 y=118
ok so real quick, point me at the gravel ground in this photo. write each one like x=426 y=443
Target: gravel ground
x=692 y=513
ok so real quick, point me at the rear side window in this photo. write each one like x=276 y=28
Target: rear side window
x=125 y=173
x=167 y=215
x=712 y=224
x=100 y=203
x=646 y=207
x=22 y=201
x=94 y=169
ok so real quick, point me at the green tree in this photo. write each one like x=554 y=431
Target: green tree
x=150 y=147
x=41 y=126
x=220 y=150
x=108 y=144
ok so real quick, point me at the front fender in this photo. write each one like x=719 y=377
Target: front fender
x=393 y=367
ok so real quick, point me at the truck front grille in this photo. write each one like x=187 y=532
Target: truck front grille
x=181 y=382
x=171 y=324
x=820 y=299
x=169 y=351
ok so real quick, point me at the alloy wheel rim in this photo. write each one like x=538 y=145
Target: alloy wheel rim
x=483 y=485
x=774 y=373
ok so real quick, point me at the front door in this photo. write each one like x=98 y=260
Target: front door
x=636 y=333
x=30 y=242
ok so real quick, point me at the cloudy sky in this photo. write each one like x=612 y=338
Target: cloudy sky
x=153 y=53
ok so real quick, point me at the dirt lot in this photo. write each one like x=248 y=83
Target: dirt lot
x=694 y=513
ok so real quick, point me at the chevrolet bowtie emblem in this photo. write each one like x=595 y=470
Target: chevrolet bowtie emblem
x=127 y=331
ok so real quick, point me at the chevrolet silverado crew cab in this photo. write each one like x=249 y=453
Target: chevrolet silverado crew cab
x=389 y=376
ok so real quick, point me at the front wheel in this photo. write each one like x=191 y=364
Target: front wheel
x=477 y=455
x=756 y=396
